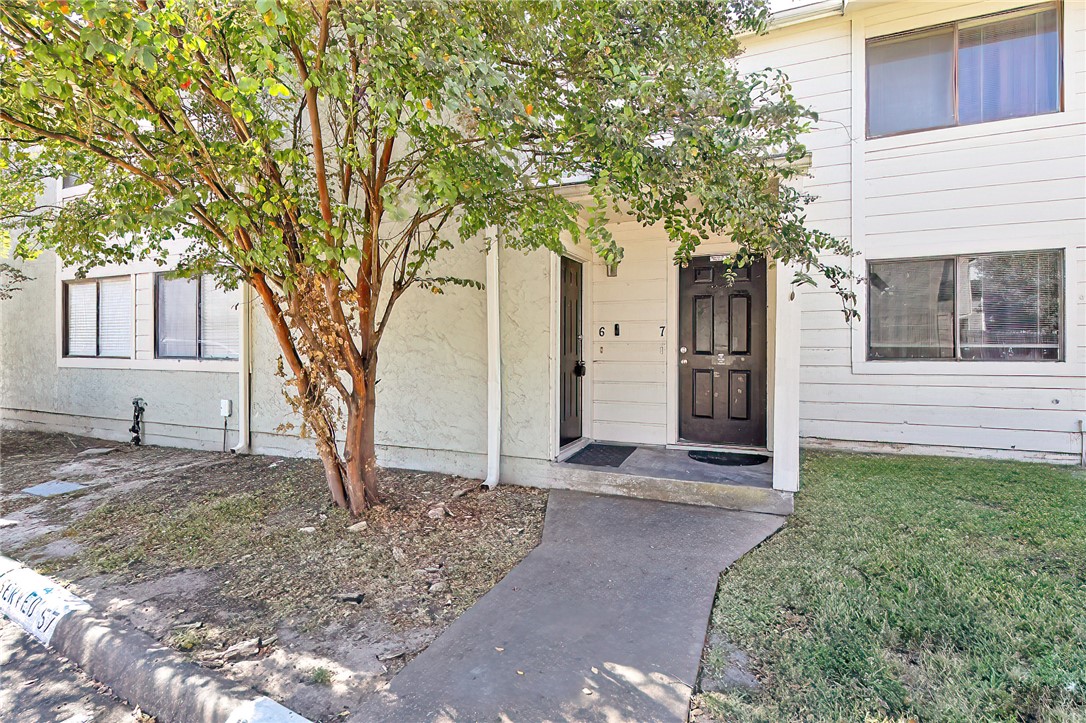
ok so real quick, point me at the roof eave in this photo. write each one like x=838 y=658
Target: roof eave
x=806 y=13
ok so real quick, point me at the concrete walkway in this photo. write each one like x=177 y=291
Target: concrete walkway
x=604 y=621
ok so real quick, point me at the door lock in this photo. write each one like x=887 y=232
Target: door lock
x=579 y=369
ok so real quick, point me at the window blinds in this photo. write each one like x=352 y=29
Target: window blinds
x=99 y=316
x=115 y=317
x=176 y=314
x=218 y=321
x=83 y=318
x=1009 y=305
x=196 y=319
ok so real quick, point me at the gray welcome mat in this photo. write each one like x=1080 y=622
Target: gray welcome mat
x=602 y=455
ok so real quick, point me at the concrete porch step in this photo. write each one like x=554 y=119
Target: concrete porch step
x=742 y=497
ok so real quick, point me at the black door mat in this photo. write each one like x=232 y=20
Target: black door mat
x=602 y=455
x=728 y=459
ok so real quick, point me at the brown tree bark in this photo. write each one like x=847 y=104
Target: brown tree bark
x=368 y=448
x=360 y=454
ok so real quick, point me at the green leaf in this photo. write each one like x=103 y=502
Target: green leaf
x=94 y=39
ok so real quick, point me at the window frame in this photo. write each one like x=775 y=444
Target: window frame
x=65 y=317
x=159 y=276
x=956 y=263
x=957 y=26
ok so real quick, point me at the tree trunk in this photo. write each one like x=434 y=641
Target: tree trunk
x=333 y=471
x=369 y=463
x=359 y=451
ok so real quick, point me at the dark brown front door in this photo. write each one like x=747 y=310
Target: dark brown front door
x=571 y=365
x=722 y=353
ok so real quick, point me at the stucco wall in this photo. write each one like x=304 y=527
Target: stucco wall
x=431 y=400
x=432 y=394
x=182 y=406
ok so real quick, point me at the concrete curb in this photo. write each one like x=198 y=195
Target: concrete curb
x=137 y=668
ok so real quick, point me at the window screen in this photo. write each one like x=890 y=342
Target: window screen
x=986 y=69
x=195 y=319
x=982 y=307
x=99 y=318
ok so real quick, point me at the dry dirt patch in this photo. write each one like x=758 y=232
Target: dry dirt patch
x=242 y=563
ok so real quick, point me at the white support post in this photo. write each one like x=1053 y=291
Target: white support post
x=786 y=385
x=244 y=370
x=493 y=367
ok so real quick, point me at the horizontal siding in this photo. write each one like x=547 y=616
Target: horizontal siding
x=629 y=401
x=985 y=187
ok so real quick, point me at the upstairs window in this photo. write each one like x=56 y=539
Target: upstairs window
x=973 y=71
x=195 y=319
x=98 y=318
x=986 y=307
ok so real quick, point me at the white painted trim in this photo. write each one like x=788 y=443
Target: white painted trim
x=858 y=183
x=1073 y=342
x=905 y=449
x=245 y=371
x=671 y=340
x=584 y=257
x=65 y=274
x=83 y=362
x=806 y=13
x=493 y=364
x=554 y=267
x=786 y=365
x=782 y=368
x=215 y=366
x=970 y=131
x=572 y=448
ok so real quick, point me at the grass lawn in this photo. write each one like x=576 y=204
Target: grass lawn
x=912 y=588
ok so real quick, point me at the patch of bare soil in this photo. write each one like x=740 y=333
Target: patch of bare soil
x=243 y=564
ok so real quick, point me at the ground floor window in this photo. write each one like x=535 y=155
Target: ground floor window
x=988 y=307
x=195 y=319
x=98 y=317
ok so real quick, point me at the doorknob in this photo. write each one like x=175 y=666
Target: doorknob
x=682 y=361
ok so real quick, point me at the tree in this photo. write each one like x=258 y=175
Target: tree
x=326 y=152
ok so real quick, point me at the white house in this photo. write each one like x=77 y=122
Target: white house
x=950 y=150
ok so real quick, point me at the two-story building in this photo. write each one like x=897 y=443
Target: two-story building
x=950 y=150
